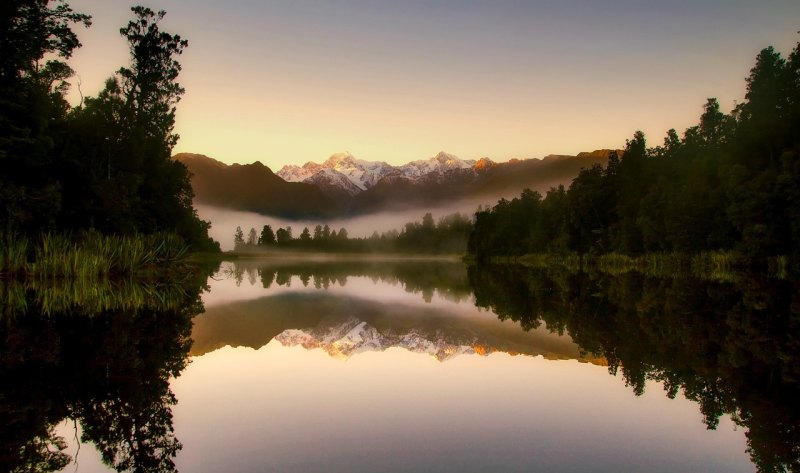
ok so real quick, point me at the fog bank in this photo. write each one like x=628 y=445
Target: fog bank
x=224 y=221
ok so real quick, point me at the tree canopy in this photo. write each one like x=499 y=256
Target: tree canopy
x=104 y=164
x=732 y=182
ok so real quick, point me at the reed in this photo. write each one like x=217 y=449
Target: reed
x=13 y=254
x=89 y=255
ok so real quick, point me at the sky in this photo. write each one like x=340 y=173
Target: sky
x=291 y=81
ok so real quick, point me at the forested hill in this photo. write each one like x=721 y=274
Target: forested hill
x=253 y=187
x=731 y=182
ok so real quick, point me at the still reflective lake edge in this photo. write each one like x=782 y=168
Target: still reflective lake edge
x=423 y=366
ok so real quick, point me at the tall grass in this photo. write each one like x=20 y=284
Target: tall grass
x=89 y=255
x=13 y=253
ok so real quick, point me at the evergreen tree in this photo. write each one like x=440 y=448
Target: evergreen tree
x=238 y=237
x=36 y=38
x=267 y=236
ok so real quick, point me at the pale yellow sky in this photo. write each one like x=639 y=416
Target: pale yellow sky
x=289 y=82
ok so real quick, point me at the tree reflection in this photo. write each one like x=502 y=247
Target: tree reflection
x=107 y=369
x=732 y=348
x=447 y=278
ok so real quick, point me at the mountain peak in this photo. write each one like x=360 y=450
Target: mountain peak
x=338 y=159
x=362 y=174
x=484 y=164
x=187 y=158
x=443 y=157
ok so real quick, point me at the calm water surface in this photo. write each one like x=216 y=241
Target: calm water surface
x=388 y=366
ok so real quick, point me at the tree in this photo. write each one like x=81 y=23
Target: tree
x=632 y=187
x=33 y=108
x=31 y=30
x=284 y=236
x=252 y=237
x=149 y=85
x=104 y=165
x=305 y=236
x=267 y=236
x=238 y=237
x=427 y=222
x=715 y=126
x=763 y=113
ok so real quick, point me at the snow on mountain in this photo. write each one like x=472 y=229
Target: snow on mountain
x=439 y=164
x=362 y=174
x=365 y=174
x=294 y=173
x=331 y=178
x=354 y=336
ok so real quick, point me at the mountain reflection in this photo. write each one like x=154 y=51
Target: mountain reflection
x=357 y=312
x=732 y=348
x=101 y=356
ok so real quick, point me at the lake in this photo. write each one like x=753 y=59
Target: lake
x=389 y=365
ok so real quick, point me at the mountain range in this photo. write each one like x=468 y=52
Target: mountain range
x=344 y=185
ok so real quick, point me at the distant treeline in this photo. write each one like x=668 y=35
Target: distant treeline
x=447 y=236
x=104 y=165
x=732 y=182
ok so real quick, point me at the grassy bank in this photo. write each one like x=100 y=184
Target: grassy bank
x=89 y=255
x=716 y=265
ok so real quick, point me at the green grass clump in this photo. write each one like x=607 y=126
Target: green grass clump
x=89 y=255
x=13 y=254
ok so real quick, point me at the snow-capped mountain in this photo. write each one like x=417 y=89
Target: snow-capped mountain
x=332 y=181
x=362 y=174
x=439 y=164
x=365 y=174
x=354 y=336
x=346 y=186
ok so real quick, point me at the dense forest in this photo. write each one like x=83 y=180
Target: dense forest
x=447 y=236
x=105 y=164
x=732 y=182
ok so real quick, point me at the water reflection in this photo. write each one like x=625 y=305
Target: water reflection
x=100 y=355
x=731 y=348
x=350 y=308
x=429 y=383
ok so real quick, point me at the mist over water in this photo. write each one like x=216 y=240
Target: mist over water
x=224 y=221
